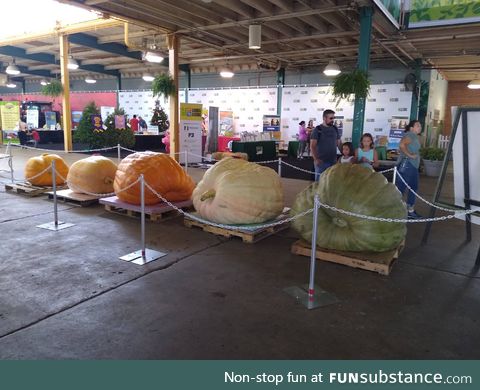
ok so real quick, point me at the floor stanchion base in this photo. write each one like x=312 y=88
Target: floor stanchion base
x=60 y=226
x=136 y=257
x=320 y=297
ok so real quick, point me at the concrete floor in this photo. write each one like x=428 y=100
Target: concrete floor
x=65 y=295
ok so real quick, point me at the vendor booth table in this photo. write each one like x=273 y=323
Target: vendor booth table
x=148 y=142
x=256 y=150
x=223 y=142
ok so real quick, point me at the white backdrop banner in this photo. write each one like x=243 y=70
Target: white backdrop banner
x=142 y=103
x=308 y=103
x=248 y=105
x=473 y=118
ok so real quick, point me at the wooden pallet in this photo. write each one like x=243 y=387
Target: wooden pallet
x=249 y=234
x=370 y=261
x=157 y=212
x=68 y=196
x=26 y=189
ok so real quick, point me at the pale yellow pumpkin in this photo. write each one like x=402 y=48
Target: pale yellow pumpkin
x=235 y=191
x=94 y=174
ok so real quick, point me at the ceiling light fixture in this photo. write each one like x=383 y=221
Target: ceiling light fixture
x=11 y=85
x=255 y=36
x=332 y=69
x=148 y=77
x=44 y=82
x=72 y=63
x=226 y=72
x=90 y=80
x=12 y=68
x=474 y=84
x=151 y=56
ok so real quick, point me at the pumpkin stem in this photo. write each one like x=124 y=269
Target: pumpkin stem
x=108 y=180
x=210 y=194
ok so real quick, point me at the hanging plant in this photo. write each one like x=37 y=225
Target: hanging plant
x=163 y=84
x=355 y=82
x=54 y=89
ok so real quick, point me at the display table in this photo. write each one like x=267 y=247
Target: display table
x=223 y=142
x=50 y=136
x=256 y=150
x=148 y=142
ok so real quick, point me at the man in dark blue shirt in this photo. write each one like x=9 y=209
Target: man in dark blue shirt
x=324 y=141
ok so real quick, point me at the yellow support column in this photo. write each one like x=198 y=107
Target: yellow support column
x=173 y=43
x=66 y=116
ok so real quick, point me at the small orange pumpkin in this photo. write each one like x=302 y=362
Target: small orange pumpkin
x=160 y=171
x=37 y=164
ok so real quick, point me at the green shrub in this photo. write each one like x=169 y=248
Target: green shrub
x=106 y=138
x=432 y=154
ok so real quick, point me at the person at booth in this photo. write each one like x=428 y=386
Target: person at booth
x=134 y=124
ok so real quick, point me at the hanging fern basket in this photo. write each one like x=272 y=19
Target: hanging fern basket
x=355 y=82
x=54 y=89
x=163 y=85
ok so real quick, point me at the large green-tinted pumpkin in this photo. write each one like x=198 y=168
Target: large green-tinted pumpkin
x=235 y=191
x=359 y=190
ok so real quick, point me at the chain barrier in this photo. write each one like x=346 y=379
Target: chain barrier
x=64 y=151
x=99 y=195
x=223 y=226
x=423 y=199
x=395 y=220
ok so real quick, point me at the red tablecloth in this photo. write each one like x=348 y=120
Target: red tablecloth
x=223 y=142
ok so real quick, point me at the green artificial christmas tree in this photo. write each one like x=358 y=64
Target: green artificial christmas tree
x=84 y=132
x=160 y=118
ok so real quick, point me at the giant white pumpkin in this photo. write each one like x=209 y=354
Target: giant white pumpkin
x=94 y=174
x=235 y=191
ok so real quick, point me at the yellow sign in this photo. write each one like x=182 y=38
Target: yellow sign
x=10 y=112
x=190 y=112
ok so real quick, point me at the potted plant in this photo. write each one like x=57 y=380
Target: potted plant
x=163 y=84
x=355 y=82
x=432 y=160
x=53 y=89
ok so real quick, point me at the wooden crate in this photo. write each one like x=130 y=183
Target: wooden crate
x=68 y=196
x=26 y=189
x=370 y=261
x=249 y=234
x=157 y=212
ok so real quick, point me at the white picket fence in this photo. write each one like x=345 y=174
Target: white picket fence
x=443 y=141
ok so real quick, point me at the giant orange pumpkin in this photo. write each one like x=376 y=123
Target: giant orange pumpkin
x=160 y=171
x=94 y=174
x=37 y=164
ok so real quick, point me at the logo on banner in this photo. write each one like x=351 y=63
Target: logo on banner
x=288 y=93
x=381 y=90
x=313 y=100
x=286 y=109
x=371 y=120
x=303 y=92
x=296 y=100
x=372 y=100
x=380 y=109
x=394 y=99
x=97 y=123
x=403 y=109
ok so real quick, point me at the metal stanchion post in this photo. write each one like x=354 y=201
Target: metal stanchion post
x=144 y=255
x=10 y=161
x=313 y=253
x=142 y=216
x=395 y=175
x=119 y=153
x=54 y=187
x=280 y=166
x=56 y=224
x=186 y=161
x=312 y=296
